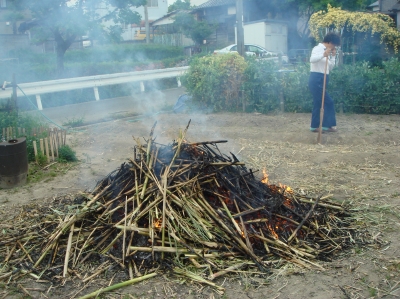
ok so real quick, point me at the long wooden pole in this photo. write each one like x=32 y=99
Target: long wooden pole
x=321 y=114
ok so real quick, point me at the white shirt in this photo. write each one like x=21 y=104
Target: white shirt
x=318 y=60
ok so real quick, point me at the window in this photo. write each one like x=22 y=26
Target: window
x=152 y=3
x=3 y=3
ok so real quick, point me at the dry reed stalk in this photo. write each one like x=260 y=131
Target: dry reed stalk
x=227 y=270
x=68 y=252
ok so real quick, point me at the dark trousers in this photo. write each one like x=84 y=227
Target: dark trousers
x=315 y=84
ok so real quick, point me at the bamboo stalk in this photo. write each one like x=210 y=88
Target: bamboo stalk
x=41 y=145
x=51 y=144
x=118 y=286
x=68 y=252
x=304 y=220
x=227 y=270
x=46 y=145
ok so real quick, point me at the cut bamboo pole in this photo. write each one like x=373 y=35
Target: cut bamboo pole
x=35 y=148
x=46 y=145
x=54 y=141
x=68 y=252
x=41 y=145
x=51 y=144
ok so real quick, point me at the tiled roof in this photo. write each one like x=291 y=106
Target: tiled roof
x=213 y=3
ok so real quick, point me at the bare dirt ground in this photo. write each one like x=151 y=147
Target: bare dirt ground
x=360 y=163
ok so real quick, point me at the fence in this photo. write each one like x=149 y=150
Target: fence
x=50 y=140
x=173 y=39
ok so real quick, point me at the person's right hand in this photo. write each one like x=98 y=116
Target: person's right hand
x=327 y=52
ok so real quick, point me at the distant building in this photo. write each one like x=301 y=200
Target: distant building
x=388 y=7
x=197 y=2
x=155 y=8
x=166 y=33
x=8 y=26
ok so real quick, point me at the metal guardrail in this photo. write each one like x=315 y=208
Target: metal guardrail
x=43 y=87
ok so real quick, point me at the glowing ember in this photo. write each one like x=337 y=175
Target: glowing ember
x=158 y=223
x=273 y=233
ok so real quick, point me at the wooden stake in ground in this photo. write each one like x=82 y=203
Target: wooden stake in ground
x=34 y=148
x=321 y=114
x=41 y=144
x=46 y=145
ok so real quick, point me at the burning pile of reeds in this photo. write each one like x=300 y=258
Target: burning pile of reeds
x=179 y=204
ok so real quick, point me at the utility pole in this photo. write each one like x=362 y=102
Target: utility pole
x=146 y=20
x=14 y=94
x=239 y=27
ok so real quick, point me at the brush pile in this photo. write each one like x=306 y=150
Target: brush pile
x=172 y=207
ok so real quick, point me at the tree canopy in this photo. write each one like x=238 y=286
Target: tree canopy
x=368 y=23
x=179 y=5
x=66 y=21
x=196 y=30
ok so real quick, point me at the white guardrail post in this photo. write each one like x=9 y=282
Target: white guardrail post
x=43 y=87
x=96 y=93
x=39 y=102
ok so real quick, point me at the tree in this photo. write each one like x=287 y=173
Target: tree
x=66 y=21
x=179 y=5
x=368 y=23
x=196 y=30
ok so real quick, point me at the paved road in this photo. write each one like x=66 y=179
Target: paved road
x=95 y=111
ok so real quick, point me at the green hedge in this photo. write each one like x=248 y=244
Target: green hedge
x=359 y=88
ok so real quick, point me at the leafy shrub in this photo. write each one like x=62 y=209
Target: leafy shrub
x=359 y=88
x=215 y=81
x=66 y=154
x=41 y=159
x=262 y=86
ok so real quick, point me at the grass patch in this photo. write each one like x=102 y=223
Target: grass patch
x=73 y=122
x=38 y=173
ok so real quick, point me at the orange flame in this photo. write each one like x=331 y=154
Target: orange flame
x=286 y=188
x=265 y=177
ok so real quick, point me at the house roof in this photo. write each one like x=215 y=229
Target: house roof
x=214 y=3
x=376 y=3
x=170 y=14
x=396 y=7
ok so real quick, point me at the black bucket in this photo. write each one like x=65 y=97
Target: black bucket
x=13 y=163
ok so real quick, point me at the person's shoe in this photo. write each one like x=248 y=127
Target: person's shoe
x=331 y=129
x=316 y=130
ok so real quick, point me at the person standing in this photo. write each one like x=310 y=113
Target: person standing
x=319 y=54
